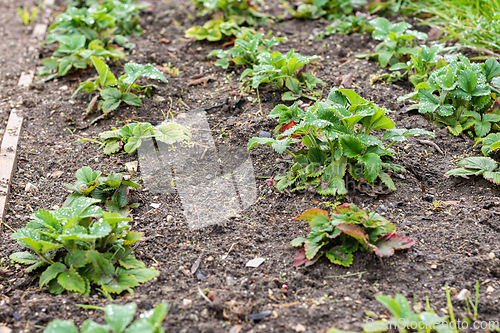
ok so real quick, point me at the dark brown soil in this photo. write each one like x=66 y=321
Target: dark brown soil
x=458 y=237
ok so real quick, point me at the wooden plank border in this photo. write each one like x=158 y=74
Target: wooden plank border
x=8 y=153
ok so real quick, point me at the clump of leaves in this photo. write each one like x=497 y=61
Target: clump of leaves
x=284 y=72
x=333 y=137
x=130 y=136
x=113 y=189
x=329 y=9
x=417 y=69
x=461 y=96
x=347 y=230
x=126 y=86
x=72 y=54
x=490 y=143
x=397 y=41
x=346 y=25
x=229 y=17
x=245 y=50
x=404 y=318
x=476 y=166
x=98 y=29
x=119 y=319
x=79 y=245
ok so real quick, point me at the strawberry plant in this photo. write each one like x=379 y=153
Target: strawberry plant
x=397 y=41
x=229 y=16
x=347 y=230
x=476 y=166
x=112 y=189
x=329 y=9
x=97 y=29
x=461 y=96
x=72 y=53
x=346 y=25
x=490 y=143
x=81 y=244
x=119 y=319
x=245 y=50
x=126 y=85
x=283 y=72
x=417 y=69
x=333 y=137
x=130 y=136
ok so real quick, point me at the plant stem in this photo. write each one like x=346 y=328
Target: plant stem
x=450 y=307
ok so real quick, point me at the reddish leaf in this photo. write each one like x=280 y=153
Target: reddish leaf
x=356 y=232
x=301 y=260
x=345 y=208
x=385 y=246
x=312 y=213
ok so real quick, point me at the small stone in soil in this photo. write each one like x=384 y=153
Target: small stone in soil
x=16 y=316
x=259 y=316
x=59 y=200
x=429 y=198
x=264 y=134
x=254 y=263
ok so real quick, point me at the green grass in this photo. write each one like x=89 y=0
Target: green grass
x=473 y=24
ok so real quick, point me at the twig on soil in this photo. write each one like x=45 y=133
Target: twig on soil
x=70 y=119
x=204 y=296
x=432 y=144
x=230 y=249
x=346 y=275
x=286 y=305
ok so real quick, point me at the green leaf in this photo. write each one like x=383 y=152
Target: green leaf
x=143 y=274
x=294 y=85
x=480 y=163
x=298 y=241
x=491 y=69
x=131 y=99
x=482 y=128
x=51 y=273
x=171 y=132
x=106 y=77
x=118 y=317
x=135 y=71
x=132 y=237
x=24 y=258
x=121 y=283
x=61 y=326
x=386 y=179
x=112 y=146
x=373 y=166
x=142 y=326
x=103 y=269
x=338 y=255
x=493 y=177
x=71 y=280
x=90 y=326
x=130 y=262
x=384 y=57
x=467 y=80
x=351 y=146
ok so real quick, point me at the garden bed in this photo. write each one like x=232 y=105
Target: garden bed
x=454 y=240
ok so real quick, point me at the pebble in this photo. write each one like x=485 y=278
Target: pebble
x=210 y=259
x=429 y=198
x=490 y=289
x=59 y=200
x=187 y=302
x=159 y=99
x=491 y=255
x=300 y=328
x=31 y=188
x=264 y=134
x=204 y=313
x=230 y=281
x=463 y=294
x=16 y=316
x=5 y=329
x=169 y=218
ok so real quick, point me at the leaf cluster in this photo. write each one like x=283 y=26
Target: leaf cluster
x=26 y=16
x=81 y=244
x=461 y=96
x=403 y=318
x=417 y=69
x=346 y=25
x=114 y=91
x=397 y=41
x=329 y=9
x=130 y=136
x=286 y=72
x=476 y=166
x=99 y=29
x=119 y=319
x=245 y=50
x=113 y=189
x=347 y=230
x=335 y=136
x=229 y=16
